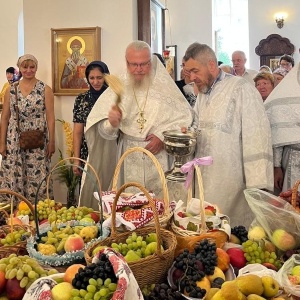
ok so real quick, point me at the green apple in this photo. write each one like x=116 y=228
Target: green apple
x=296 y=271
x=271 y=286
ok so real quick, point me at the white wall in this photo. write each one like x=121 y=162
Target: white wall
x=262 y=24
x=190 y=22
x=10 y=11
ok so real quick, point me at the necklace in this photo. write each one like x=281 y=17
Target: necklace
x=141 y=119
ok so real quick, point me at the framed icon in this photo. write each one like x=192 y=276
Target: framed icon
x=72 y=50
x=151 y=24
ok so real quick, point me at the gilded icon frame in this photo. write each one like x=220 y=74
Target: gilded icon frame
x=68 y=77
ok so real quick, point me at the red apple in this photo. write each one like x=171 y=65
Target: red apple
x=74 y=242
x=13 y=289
x=2 y=281
x=237 y=258
x=95 y=216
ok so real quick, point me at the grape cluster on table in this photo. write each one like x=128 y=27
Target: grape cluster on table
x=96 y=281
x=240 y=232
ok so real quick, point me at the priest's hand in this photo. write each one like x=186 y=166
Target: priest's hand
x=155 y=145
x=115 y=116
x=278 y=178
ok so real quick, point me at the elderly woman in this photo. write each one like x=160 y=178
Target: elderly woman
x=279 y=74
x=265 y=68
x=264 y=82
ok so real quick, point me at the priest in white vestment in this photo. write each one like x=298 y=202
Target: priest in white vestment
x=283 y=110
x=150 y=104
x=235 y=131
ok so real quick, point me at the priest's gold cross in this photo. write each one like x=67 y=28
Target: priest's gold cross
x=141 y=120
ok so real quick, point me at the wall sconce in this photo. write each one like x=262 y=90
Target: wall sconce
x=279 y=18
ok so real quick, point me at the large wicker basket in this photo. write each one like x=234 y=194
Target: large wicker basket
x=165 y=218
x=18 y=248
x=154 y=268
x=67 y=258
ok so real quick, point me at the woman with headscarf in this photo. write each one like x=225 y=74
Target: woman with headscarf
x=84 y=103
x=22 y=170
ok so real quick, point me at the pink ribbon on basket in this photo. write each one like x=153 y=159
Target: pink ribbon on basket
x=190 y=166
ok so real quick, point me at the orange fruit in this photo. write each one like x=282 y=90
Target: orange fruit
x=23 y=206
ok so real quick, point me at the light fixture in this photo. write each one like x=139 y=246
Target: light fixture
x=279 y=18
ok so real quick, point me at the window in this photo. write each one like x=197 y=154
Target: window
x=230 y=23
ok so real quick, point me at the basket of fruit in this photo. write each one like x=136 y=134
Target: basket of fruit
x=191 y=224
x=69 y=231
x=166 y=215
x=157 y=245
x=14 y=235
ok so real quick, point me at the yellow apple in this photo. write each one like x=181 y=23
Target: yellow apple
x=62 y=291
x=256 y=233
x=296 y=271
x=271 y=286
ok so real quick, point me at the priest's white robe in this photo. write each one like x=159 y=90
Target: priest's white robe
x=235 y=131
x=165 y=109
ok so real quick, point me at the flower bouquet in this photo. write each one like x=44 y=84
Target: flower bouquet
x=66 y=174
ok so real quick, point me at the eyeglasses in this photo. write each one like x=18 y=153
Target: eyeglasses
x=287 y=64
x=141 y=65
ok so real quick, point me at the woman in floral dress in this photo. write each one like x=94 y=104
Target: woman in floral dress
x=22 y=170
x=83 y=105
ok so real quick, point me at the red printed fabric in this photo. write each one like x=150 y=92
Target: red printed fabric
x=127 y=288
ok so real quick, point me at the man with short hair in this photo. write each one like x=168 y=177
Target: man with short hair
x=238 y=61
x=235 y=131
x=150 y=104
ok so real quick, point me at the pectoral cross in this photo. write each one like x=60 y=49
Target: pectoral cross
x=141 y=120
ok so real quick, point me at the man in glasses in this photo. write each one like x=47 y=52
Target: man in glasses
x=150 y=103
x=235 y=131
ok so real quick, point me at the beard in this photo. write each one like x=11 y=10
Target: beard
x=143 y=83
x=75 y=55
x=203 y=87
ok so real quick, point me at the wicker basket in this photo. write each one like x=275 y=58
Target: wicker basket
x=294 y=196
x=183 y=232
x=67 y=258
x=154 y=268
x=165 y=218
x=18 y=248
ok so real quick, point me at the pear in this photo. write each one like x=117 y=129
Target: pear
x=131 y=256
x=255 y=297
x=250 y=284
x=209 y=295
x=231 y=291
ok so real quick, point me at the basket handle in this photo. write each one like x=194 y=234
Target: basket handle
x=158 y=167
x=58 y=166
x=70 y=159
x=201 y=197
x=152 y=204
x=294 y=193
x=9 y=192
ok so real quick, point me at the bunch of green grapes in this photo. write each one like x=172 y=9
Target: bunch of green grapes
x=254 y=253
x=64 y=214
x=15 y=237
x=24 y=269
x=97 y=289
x=44 y=208
x=25 y=212
x=133 y=242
